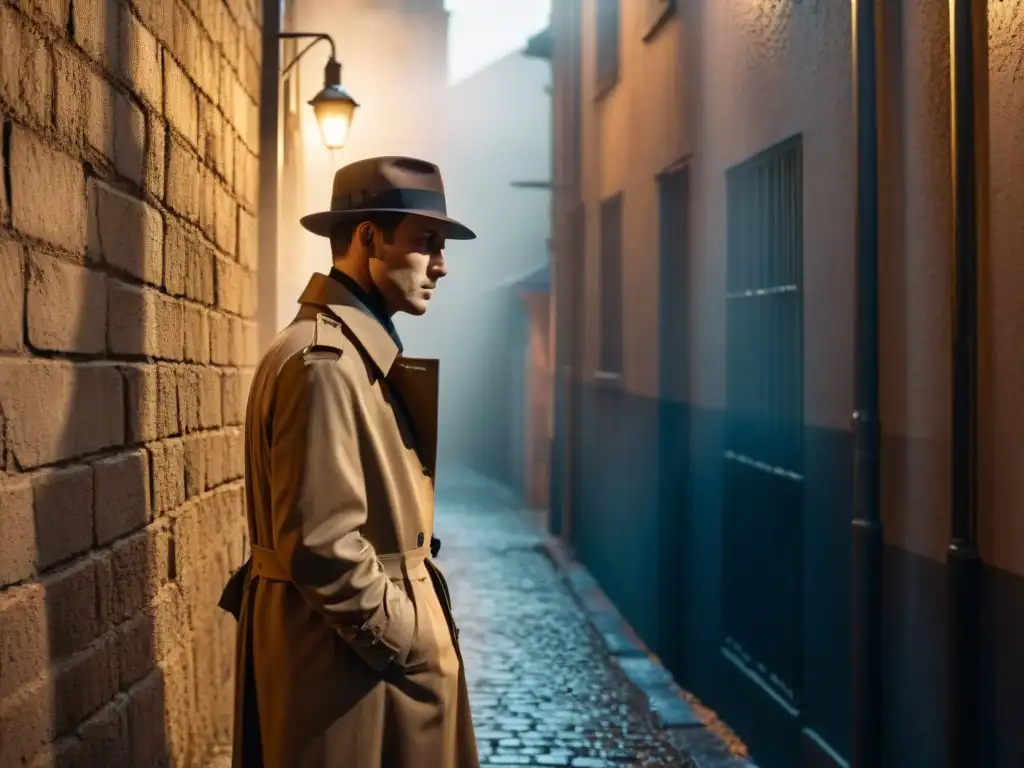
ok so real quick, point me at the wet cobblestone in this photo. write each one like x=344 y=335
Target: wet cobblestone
x=543 y=689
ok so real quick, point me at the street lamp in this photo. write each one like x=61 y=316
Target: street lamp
x=333 y=107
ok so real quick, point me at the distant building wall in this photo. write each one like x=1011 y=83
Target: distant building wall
x=496 y=130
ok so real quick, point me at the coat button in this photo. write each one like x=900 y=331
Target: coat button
x=419 y=539
x=426 y=470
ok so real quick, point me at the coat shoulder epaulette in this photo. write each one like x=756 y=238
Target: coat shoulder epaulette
x=328 y=339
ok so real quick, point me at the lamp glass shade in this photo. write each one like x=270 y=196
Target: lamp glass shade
x=334 y=110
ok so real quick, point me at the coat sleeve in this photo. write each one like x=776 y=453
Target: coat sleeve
x=319 y=508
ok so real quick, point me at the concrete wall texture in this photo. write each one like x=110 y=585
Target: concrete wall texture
x=127 y=255
x=716 y=85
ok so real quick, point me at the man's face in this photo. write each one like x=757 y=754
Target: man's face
x=408 y=268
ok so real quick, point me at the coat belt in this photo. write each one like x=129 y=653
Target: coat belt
x=399 y=565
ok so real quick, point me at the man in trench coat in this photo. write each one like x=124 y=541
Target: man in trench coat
x=347 y=654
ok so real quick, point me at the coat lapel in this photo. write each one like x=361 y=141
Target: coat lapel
x=416 y=381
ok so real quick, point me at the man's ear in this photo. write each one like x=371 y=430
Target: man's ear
x=366 y=234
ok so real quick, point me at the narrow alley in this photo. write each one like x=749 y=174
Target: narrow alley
x=544 y=687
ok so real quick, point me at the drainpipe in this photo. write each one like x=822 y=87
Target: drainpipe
x=969 y=86
x=866 y=533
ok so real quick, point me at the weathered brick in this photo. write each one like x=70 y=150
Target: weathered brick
x=168 y=484
x=85 y=682
x=73 y=617
x=178 y=698
x=180 y=246
x=189 y=398
x=182 y=176
x=195 y=465
x=12 y=295
x=64 y=514
x=140 y=391
x=57 y=410
x=135 y=648
x=236 y=341
x=168 y=417
x=147 y=719
x=233 y=400
x=210 y=412
x=26 y=721
x=99 y=123
x=229 y=285
x=220 y=339
x=171 y=327
x=122 y=495
x=250 y=294
x=199 y=275
x=207 y=202
x=17 y=533
x=156 y=17
x=44 y=180
x=73 y=95
x=132 y=320
x=197 y=334
x=96 y=31
x=230 y=144
x=182 y=107
x=5 y=207
x=170 y=621
x=26 y=78
x=216 y=460
x=102 y=739
x=226 y=219
x=141 y=60
x=248 y=239
x=152 y=402
x=66 y=306
x=156 y=149
x=240 y=106
x=129 y=139
x=129 y=575
x=184 y=34
x=236 y=453
x=53 y=13
x=126 y=233
x=24 y=637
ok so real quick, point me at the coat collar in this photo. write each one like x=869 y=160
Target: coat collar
x=375 y=340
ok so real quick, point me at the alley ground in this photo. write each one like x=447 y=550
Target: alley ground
x=544 y=688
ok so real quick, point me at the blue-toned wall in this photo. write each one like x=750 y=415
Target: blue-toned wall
x=655 y=545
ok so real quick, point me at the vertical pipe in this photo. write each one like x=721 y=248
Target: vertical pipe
x=266 y=277
x=866 y=533
x=969 y=85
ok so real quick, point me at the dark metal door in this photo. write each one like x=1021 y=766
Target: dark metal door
x=763 y=466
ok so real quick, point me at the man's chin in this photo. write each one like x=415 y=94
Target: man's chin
x=416 y=307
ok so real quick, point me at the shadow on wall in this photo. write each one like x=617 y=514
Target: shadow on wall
x=117 y=522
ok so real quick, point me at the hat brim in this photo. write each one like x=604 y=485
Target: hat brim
x=322 y=223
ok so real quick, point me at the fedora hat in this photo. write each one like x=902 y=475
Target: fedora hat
x=387 y=185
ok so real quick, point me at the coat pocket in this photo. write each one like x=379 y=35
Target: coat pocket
x=425 y=652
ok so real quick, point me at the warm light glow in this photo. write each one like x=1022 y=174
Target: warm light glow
x=333 y=128
x=334 y=110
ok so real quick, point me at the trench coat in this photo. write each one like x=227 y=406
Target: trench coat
x=347 y=652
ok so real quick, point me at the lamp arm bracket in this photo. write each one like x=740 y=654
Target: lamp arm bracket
x=317 y=37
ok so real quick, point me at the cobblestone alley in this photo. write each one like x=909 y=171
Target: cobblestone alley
x=545 y=691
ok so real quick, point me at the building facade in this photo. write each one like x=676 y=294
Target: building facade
x=128 y=255
x=704 y=282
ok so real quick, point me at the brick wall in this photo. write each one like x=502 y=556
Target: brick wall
x=127 y=291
